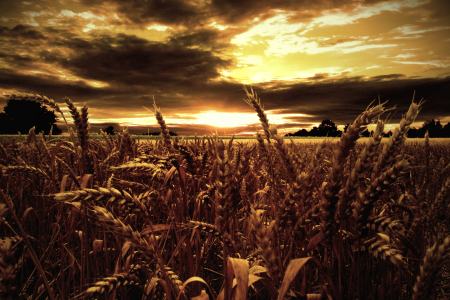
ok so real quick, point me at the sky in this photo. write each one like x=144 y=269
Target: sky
x=307 y=60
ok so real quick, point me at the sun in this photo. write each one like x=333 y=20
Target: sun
x=225 y=119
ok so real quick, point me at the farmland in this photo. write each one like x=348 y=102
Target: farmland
x=126 y=218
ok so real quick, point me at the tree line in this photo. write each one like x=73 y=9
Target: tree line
x=329 y=129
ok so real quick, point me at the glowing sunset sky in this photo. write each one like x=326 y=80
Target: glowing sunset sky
x=307 y=60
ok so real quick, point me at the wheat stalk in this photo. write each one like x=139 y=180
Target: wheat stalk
x=431 y=270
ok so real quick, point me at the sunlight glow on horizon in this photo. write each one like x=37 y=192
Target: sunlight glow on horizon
x=210 y=117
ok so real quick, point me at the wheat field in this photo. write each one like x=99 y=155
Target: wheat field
x=115 y=218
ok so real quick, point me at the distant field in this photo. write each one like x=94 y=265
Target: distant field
x=237 y=138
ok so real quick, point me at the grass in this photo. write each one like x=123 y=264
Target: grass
x=92 y=217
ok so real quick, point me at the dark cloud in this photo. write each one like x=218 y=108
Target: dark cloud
x=18 y=60
x=204 y=38
x=238 y=11
x=168 y=12
x=133 y=68
x=440 y=10
x=10 y=7
x=50 y=86
x=387 y=77
x=74 y=43
x=20 y=31
x=344 y=99
x=319 y=76
x=129 y=60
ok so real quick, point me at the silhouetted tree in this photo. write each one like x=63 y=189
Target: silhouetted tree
x=314 y=131
x=22 y=115
x=413 y=133
x=434 y=128
x=302 y=132
x=110 y=130
x=446 y=130
x=328 y=124
x=328 y=128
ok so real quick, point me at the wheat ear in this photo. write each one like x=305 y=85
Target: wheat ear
x=267 y=251
x=347 y=143
x=362 y=164
x=223 y=187
x=28 y=170
x=431 y=270
x=80 y=122
x=381 y=246
x=391 y=148
x=115 y=225
x=375 y=189
x=162 y=125
x=109 y=284
x=252 y=100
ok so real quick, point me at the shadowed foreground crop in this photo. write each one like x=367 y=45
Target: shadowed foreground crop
x=207 y=219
